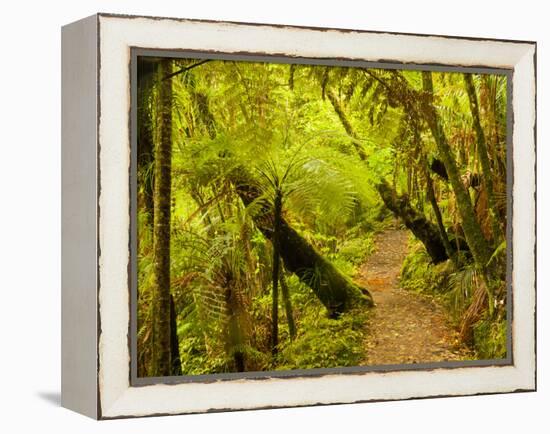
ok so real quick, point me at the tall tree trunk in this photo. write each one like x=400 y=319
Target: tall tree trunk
x=288 y=305
x=145 y=148
x=422 y=228
x=277 y=209
x=483 y=156
x=472 y=231
x=161 y=350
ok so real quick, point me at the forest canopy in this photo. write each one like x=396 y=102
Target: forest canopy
x=307 y=216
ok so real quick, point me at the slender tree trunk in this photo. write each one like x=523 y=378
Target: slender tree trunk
x=333 y=98
x=277 y=209
x=174 y=343
x=291 y=73
x=472 y=231
x=483 y=156
x=145 y=148
x=288 y=305
x=430 y=193
x=161 y=350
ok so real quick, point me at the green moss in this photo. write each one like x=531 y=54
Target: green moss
x=326 y=343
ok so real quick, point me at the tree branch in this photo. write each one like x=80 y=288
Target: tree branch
x=187 y=68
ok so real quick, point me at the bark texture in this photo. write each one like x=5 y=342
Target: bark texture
x=161 y=357
x=145 y=147
x=421 y=227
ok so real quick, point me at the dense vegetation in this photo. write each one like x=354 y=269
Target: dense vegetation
x=260 y=189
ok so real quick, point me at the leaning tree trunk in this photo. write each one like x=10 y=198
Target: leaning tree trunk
x=161 y=356
x=422 y=228
x=430 y=193
x=334 y=290
x=346 y=124
x=472 y=231
x=483 y=156
x=337 y=292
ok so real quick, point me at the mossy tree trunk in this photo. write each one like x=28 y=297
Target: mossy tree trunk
x=333 y=98
x=147 y=71
x=334 y=290
x=472 y=230
x=235 y=336
x=161 y=357
x=483 y=155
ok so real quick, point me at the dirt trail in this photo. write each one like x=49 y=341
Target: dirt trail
x=404 y=327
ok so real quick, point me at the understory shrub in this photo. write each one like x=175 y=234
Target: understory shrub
x=455 y=290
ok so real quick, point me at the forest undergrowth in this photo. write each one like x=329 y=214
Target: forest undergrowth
x=267 y=196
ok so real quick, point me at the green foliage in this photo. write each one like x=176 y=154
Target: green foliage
x=321 y=342
x=456 y=289
x=278 y=124
x=356 y=250
x=420 y=275
x=490 y=338
x=326 y=343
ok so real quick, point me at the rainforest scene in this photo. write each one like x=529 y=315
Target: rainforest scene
x=294 y=216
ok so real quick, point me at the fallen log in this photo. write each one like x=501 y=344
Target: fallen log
x=337 y=292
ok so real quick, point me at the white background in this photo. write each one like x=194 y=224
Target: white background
x=30 y=217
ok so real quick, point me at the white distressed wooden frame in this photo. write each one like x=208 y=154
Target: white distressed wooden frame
x=96 y=219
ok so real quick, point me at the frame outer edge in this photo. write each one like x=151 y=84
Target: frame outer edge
x=79 y=324
x=114 y=411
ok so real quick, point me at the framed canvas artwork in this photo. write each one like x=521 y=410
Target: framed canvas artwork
x=262 y=216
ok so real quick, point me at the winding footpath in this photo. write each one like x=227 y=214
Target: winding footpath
x=405 y=327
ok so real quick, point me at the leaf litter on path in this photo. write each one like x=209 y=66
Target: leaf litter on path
x=404 y=327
